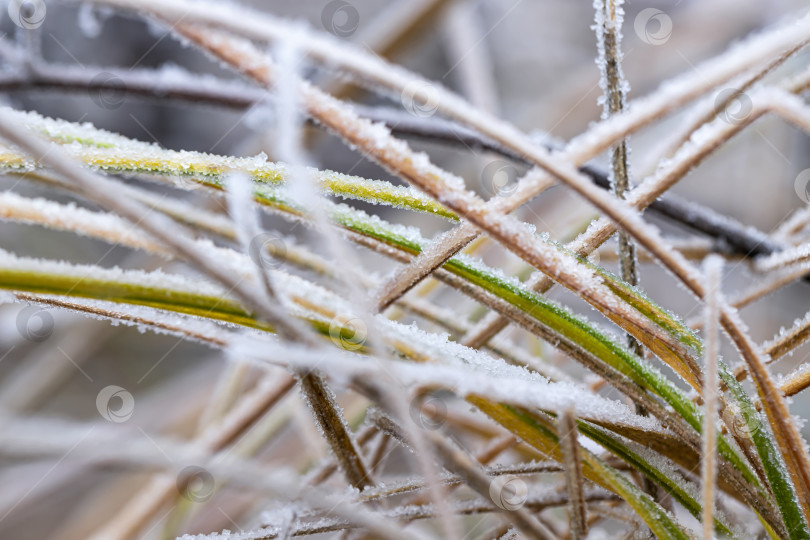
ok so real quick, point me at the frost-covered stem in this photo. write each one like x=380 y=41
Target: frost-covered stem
x=788 y=340
x=444 y=246
x=487 y=454
x=417 y=484
x=121 y=315
x=574 y=481
x=398 y=158
x=243 y=212
x=195 y=89
x=107 y=227
x=474 y=67
x=691 y=215
x=408 y=513
x=319 y=398
x=609 y=20
x=506 y=349
x=797 y=381
x=115 y=230
x=787 y=435
x=640 y=197
x=615 y=89
x=378 y=73
x=459 y=462
x=706 y=109
x=448 y=189
x=522 y=319
x=145 y=83
x=334 y=429
x=104 y=192
x=387 y=394
x=756 y=292
x=713 y=267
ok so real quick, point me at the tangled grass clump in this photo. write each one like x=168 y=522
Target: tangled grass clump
x=444 y=388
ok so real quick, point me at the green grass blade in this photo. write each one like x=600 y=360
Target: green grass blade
x=772 y=462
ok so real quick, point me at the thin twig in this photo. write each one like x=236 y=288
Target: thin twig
x=192 y=88
x=713 y=268
x=456 y=460
x=574 y=481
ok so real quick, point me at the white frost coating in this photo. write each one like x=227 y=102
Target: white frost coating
x=330 y=50
x=707 y=75
x=69 y=217
x=781 y=259
x=466 y=371
x=671 y=471
x=289 y=286
x=785 y=335
x=615 y=25
x=440 y=347
x=112 y=153
x=578 y=276
x=345 y=212
x=111 y=228
x=449 y=189
x=154 y=279
x=226 y=534
x=242 y=210
x=141 y=317
x=478 y=264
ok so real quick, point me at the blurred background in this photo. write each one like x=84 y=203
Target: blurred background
x=529 y=61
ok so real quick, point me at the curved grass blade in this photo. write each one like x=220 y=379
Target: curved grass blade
x=543 y=437
x=772 y=461
x=621 y=450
